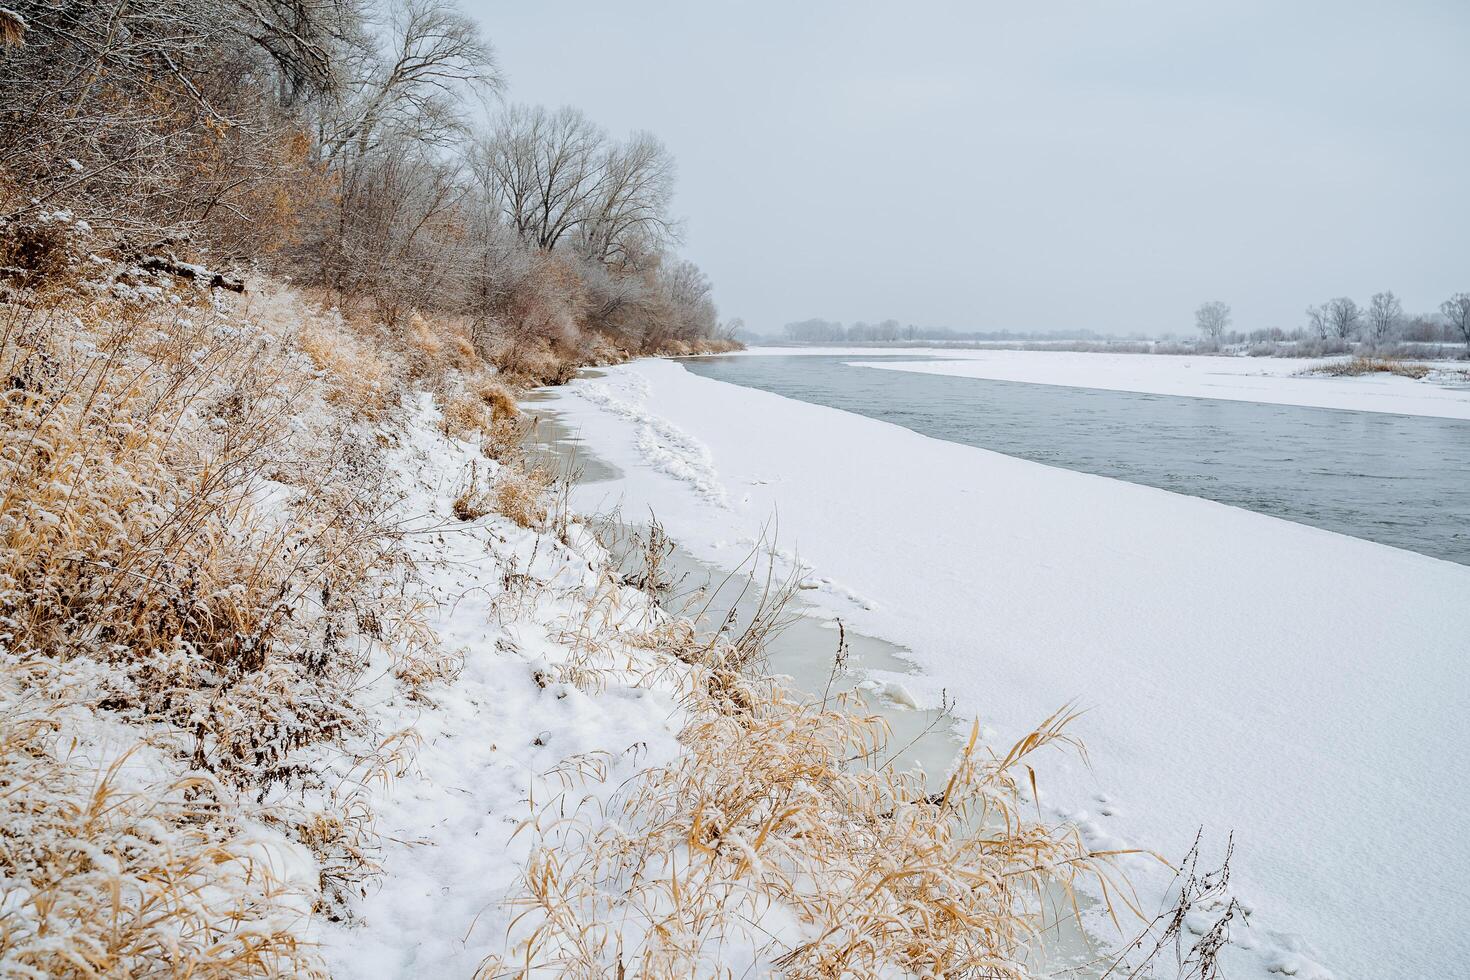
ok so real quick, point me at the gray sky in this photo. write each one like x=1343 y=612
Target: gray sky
x=1035 y=165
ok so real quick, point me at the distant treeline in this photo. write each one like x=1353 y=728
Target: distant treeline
x=819 y=331
x=1380 y=325
x=1334 y=327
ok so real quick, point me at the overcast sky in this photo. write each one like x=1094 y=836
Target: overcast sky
x=1035 y=164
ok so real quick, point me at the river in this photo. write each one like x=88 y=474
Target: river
x=1398 y=480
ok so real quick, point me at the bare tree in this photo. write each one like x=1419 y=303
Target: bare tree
x=629 y=216
x=400 y=240
x=613 y=299
x=544 y=169
x=1212 y=319
x=1456 y=310
x=415 y=86
x=1385 y=313
x=1317 y=321
x=1343 y=316
x=814 y=331
x=136 y=115
x=557 y=178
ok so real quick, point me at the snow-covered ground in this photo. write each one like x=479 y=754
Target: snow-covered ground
x=484 y=745
x=1444 y=394
x=1304 y=690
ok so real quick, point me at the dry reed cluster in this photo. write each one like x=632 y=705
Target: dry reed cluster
x=1370 y=365
x=782 y=837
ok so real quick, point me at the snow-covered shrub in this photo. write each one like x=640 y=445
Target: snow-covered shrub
x=438 y=347
x=474 y=500
x=43 y=251
x=520 y=494
x=463 y=415
x=1360 y=365
x=496 y=396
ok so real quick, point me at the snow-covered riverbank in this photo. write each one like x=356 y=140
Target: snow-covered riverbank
x=478 y=750
x=1301 y=689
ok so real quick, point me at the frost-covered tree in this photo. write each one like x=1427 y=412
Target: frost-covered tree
x=1317 y=321
x=332 y=138
x=166 y=118
x=814 y=331
x=628 y=217
x=558 y=179
x=1342 y=316
x=543 y=169
x=1456 y=310
x=1212 y=319
x=410 y=83
x=1385 y=313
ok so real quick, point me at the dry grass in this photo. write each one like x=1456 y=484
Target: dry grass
x=485 y=409
x=463 y=415
x=193 y=559
x=41 y=255
x=12 y=29
x=504 y=441
x=766 y=817
x=500 y=399
x=689 y=348
x=520 y=495
x=474 y=500
x=435 y=348
x=110 y=881
x=1368 y=365
x=420 y=660
x=529 y=364
x=357 y=377
x=782 y=828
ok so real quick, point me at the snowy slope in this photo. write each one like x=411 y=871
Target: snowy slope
x=479 y=748
x=1304 y=690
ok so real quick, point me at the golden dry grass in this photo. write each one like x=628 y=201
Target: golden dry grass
x=141 y=448
x=1358 y=366
x=12 y=29
x=521 y=495
x=115 y=882
x=357 y=378
x=485 y=408
x=188 y=564
x=474 y=499
x=439 y=346
x=499 y=398
x=782 y=827
x=463 y=415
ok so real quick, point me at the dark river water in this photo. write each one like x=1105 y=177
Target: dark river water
x=1397 y=479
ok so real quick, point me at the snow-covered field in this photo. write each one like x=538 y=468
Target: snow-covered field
x=1302 y=690
x=1444 y=394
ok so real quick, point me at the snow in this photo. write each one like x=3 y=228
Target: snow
x=1444 y=394
x=1301 y=689
x=491 y=740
